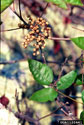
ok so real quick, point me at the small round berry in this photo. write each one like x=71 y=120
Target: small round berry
x=43 y=47
x=26 y=37
x=33 y=37
x=32 y=22
x=40 y=18
x=40 y=23
x=34 y=54
x=42 y=38
x=37 y=52
x=37 y=31
x=40 y=43
x=42 y=30
x=31 y=26
x=25 y=46
x=23 y=43
x=37 y=46
x=47 y=23
x=34 y=45
x=32 y=32
x=46 y=34
x=28 y=40
x=34 y=49
x=26 y=43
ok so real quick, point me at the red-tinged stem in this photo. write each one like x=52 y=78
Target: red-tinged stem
x=55 y=38
x=69 y=97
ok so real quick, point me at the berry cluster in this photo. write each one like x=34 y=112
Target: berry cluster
x=39 y=30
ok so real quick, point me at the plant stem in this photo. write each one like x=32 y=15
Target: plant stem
x=68 y=97
x=55 y=38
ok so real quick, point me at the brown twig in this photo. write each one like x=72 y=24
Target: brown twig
x=25 y=59
x=43 y=57
x=44 y=9
x=78 y=29
x=61 y=70
x=68 y=97
x=55 y=38
x=51 y=113
x=17 y=101
x=10 y=29
x=25 y=117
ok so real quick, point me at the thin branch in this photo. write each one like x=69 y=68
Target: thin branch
x=78 y=29
x=51 y=113
x=44 y=9
x=43 y=57
x=17 y=100
x=20 y=8
x=67 y=114
x=55 y=38
x=10 y=29
x=25 y=59
x=20 y=17
x=25 y=117
x=62 y=69
x=13 y=6
x=68 y=97
x=22 y=116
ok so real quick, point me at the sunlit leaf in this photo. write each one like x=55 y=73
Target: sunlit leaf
x=74 y=2
x=82 y=116
x=79 y=41
x=63 y=3
x=41 y=72
x=66 y=80
x=82 y=96
x=5 y=4
x=59 y=3
x=44 y=95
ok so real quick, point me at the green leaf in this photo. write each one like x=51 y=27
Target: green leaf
x=82 y=116
x=44 y=95
x=79 y=41
x=59 y=3
x=66 y=80
x=41 y=72
x=78 y=80
x=63 y=3
x=74 y=2
x=82 y=96
x=5 y=4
